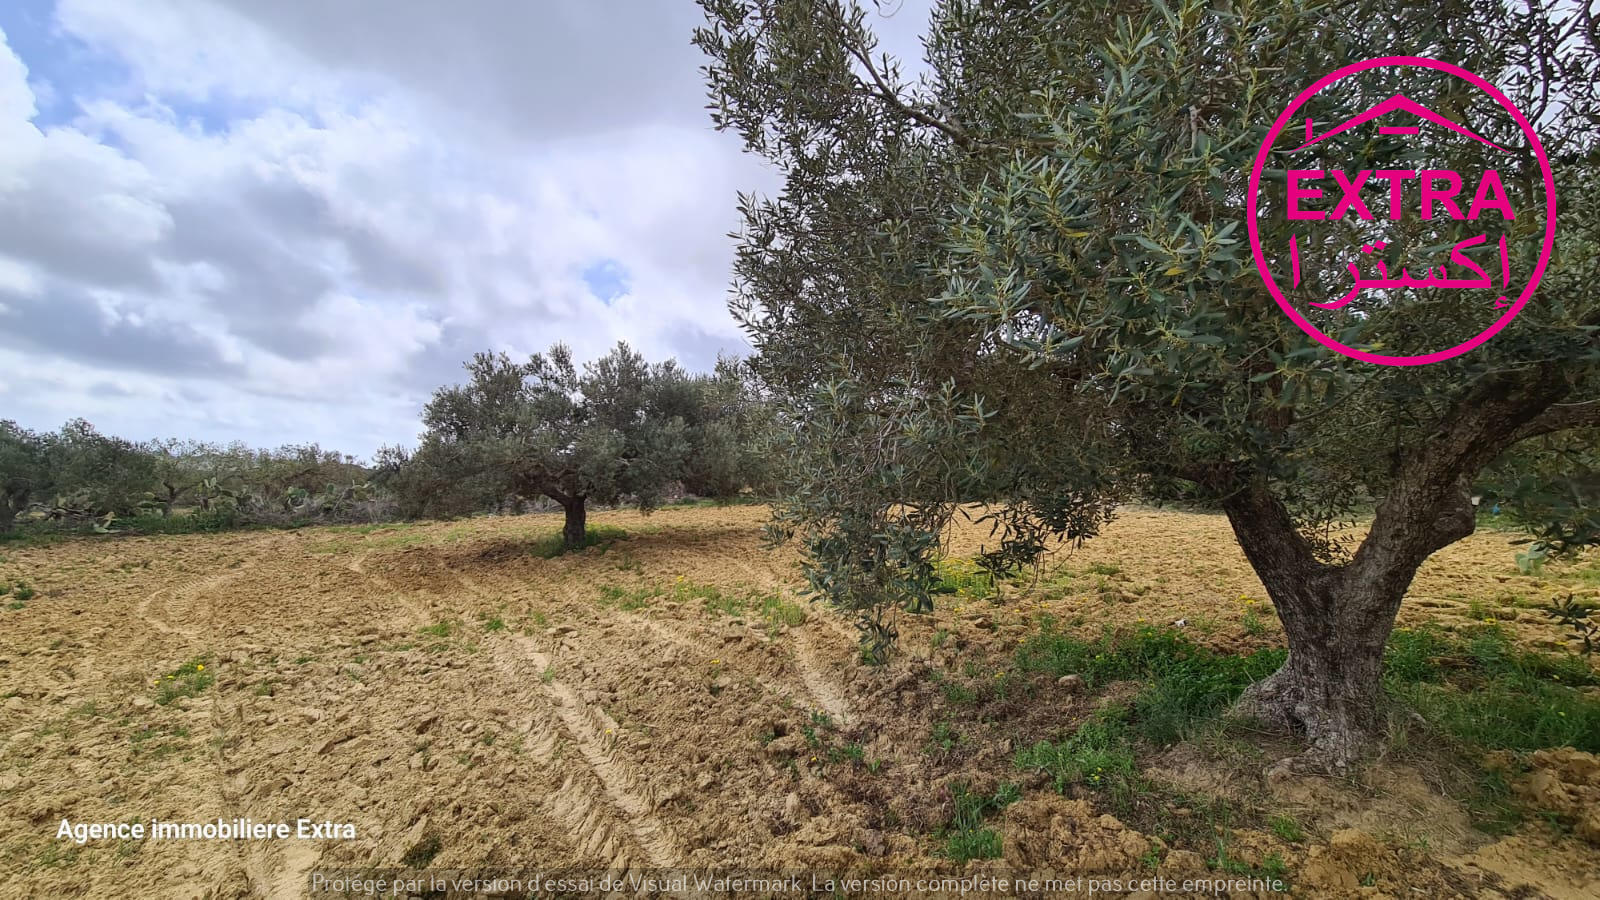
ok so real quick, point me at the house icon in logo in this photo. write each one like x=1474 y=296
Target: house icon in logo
x=1397 y=103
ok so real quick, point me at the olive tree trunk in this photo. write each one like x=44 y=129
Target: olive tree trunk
x=572 y=531
x=1337 y=617
x=1330 y=688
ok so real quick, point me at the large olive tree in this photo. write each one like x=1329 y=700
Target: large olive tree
x=1022 y=280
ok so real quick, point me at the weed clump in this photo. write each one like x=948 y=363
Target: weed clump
x=965 y=836
x=187 y=680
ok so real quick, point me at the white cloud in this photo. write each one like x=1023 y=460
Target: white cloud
x=289 y=221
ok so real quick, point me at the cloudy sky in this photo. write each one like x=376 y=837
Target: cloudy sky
x=289 y=221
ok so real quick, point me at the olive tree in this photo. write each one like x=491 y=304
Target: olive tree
x=95 y=474
x=24 y=471
x=729 y=428
x=1021 y=280
x=615 y=429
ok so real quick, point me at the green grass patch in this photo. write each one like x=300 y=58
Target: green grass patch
x=715 y=600
x=199 y=521
x=438 y=629
x=1481 y=688
x=1099 y=755
x=1185 y=683
x=962 y=577
x=633 y=598
x=965 y=835
x=778 y=611
x=1287 y=829
x=552 y=545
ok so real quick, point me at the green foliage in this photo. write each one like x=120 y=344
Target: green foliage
x=80 y=481
x=25 y=471
x=1578 y=618
x=1551 y=487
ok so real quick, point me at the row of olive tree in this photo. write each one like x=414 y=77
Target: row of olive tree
x=77 y=475
x=1022 y=279
x=617 y=430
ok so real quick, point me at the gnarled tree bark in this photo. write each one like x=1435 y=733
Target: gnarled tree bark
x=1338 y=617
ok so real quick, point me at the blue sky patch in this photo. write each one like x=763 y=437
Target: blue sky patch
x=61 y=68
x=607 y=280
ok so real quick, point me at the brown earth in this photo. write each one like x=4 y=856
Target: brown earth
x=468 y=705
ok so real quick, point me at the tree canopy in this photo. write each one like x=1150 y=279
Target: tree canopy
x=618 y=429
x=1022 y=280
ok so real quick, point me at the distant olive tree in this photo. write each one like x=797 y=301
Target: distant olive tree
x=729 y=432
x=618 y=429
x=25 y=472
x=94 y=474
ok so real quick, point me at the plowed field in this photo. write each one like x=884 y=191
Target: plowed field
x=664 y=701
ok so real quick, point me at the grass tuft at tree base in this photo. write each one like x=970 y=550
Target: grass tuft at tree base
x=553 y=545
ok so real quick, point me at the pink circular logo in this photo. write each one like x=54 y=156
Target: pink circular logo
x=1441 y=192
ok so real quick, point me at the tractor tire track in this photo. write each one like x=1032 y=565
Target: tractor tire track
x=148 y=612
x=418 y=613
x=591 y=732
